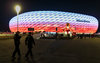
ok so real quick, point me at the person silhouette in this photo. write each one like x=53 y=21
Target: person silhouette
x=16 y=43
x=29 y=41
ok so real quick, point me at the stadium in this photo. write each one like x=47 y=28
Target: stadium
x=54 y=21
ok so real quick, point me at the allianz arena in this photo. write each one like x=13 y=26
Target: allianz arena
x=49 y=20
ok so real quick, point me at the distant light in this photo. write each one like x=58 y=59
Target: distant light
x=17 y=8
x=69 y=32
x=67 y=27
x=65 y=32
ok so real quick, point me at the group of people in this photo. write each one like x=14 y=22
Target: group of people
x=81 y=36
x=29 y=42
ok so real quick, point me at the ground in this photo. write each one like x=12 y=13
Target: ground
x=54 y=51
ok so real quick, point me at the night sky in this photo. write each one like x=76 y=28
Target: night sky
x=7 y=11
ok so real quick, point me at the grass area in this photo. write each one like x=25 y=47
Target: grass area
x=6 y=36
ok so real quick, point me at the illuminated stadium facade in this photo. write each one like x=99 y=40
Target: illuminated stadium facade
x=49 y=20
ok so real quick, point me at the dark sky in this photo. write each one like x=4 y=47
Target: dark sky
x=7 y=11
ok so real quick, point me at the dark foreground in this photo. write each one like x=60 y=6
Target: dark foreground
x=54 y=51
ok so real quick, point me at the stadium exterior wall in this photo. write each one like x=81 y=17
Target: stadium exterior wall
x=49 y=20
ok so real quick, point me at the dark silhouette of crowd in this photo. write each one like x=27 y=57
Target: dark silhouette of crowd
x=81 y=36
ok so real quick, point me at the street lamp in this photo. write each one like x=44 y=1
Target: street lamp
x=17 y=8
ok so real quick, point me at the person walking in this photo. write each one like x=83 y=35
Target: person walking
x=16 y=44
x=29 y=41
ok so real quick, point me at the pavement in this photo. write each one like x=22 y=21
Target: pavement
x=54 y=51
